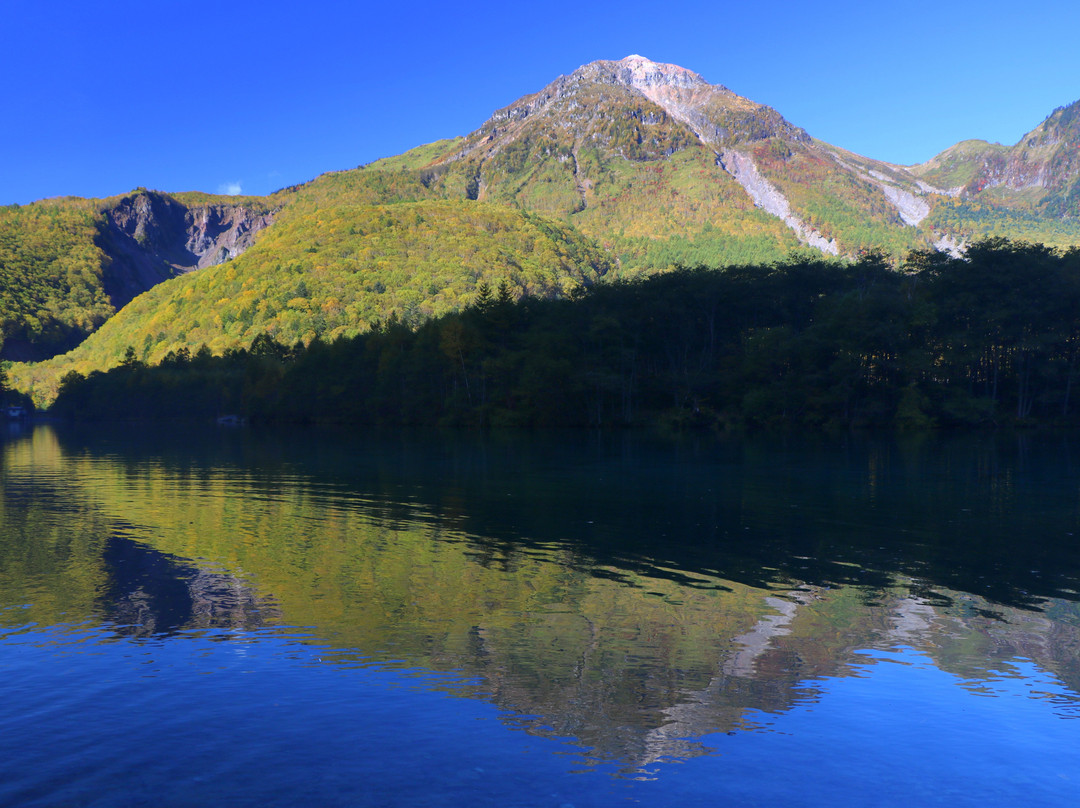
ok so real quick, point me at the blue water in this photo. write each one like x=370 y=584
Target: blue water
x=515 y=665
x=254 y=719
x=245 y=718
x=905 y=733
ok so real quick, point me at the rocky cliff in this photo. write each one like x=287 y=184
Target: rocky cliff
x=1040 y=173
x=150 y=237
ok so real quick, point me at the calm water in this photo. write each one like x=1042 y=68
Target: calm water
x=314 y=618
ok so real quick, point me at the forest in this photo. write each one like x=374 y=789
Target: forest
x=989 y=339
x=51 y=291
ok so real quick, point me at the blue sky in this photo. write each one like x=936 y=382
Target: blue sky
x=99 y=98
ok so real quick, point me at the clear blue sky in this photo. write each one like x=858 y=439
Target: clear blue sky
x=102 y=97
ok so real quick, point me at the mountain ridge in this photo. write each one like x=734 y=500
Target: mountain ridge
x=1041 y=168
x=890 y=195
x=830 y=199
x=643 y=162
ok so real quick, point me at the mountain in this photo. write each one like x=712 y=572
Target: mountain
x=661 y=166
x=1035 y=179
x=619 y=169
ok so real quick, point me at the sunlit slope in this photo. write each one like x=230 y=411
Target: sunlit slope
x=682 y=209
x=857 y=203
x=67 y=264
x=662 y=166
x=333 y=271
x=52 y=291
x=1030 y=190
x=604 y=159
x=974 y=220
x=960 y=167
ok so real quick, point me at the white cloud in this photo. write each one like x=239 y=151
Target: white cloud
x=230 y=188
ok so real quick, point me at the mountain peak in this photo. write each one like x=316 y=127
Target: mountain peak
x=632 y=108
x=643 y=72
x=1062 y=125
x=712 y=112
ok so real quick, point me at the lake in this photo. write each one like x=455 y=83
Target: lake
x=308 y=617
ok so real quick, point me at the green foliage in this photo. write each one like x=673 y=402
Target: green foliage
x=200 y=199
x=975 y=220
x=332 y=271
x=418 y=158
x=361 y=186
x=961 y=165
x=51 y=293
x=838 y=203
x=990 y=339
x=685 y=209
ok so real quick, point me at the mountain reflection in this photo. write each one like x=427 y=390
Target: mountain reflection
x=150 y=593
x=591 y=591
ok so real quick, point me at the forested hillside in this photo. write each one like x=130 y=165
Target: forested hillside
x=66 y=265
x=51 y=288
x=990 y=339
x=334 y=272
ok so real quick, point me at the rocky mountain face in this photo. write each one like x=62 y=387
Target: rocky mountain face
x=635 y=146
x=150 y=237
x=663 y=107
x=1038 y=174
x=716 y=116
x=661 y=166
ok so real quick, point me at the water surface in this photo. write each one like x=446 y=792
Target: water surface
x=562 y=618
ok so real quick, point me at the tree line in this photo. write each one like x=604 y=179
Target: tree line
x=992 y=338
